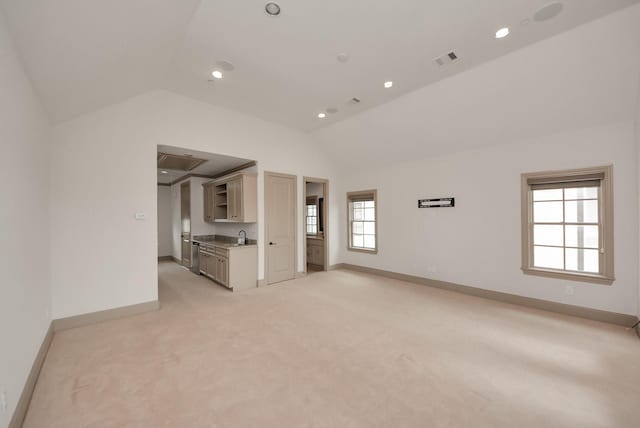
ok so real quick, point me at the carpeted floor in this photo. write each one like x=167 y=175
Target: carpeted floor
x=337 y=349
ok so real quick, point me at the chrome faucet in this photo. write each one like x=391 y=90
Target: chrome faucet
x=243 y=239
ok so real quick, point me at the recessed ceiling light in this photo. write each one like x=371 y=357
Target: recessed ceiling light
x=322 y=115
x=503 y=32
x=272 y=8
x=165 y=172
x=388 y=84
x=217 y=74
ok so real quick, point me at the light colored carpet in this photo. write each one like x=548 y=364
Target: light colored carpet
x=337 y=349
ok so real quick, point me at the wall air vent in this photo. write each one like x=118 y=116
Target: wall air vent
x=178 y=162
x=446 y=58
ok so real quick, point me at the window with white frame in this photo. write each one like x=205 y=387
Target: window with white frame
x=312 y=217
x=568 y=224
x=362 y=218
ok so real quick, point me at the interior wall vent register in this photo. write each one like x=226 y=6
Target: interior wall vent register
x=437 y=203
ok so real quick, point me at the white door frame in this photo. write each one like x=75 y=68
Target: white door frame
x=325 y=182
x=295 y=224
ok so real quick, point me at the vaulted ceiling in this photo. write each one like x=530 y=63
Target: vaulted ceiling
x=85 y=54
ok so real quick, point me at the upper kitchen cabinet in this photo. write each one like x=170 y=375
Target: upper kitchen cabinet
x=232 y=199
x=209 y=192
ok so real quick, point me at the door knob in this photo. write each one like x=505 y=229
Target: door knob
x=271 y=243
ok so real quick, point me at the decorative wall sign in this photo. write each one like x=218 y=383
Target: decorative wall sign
x=436 y=203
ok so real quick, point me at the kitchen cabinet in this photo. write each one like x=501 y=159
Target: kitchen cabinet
x=214 y=265
x=209 y=191
x=222 y=272
x=234 y=267
x=315 y=251
x=232 y=199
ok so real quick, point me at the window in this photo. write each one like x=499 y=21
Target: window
x=362 y=216
x=312 y=217
x=567 y=224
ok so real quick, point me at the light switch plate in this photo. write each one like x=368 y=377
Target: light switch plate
x=141 y=216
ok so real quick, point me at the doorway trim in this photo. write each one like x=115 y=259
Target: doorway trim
x=266 y=224
x=325 y=216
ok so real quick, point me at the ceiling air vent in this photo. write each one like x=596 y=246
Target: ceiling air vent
x=446 y=58
x=178 y=162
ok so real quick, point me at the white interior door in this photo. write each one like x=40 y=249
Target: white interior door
x=280 y=230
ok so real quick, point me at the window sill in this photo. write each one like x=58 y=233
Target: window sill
x=362 y=250
x=550 y=273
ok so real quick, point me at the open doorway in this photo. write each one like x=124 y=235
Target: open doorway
x=207 y=216
x=316 y=197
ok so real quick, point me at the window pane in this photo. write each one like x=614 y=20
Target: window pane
x=370 y=228
x=547 y=212
x=358 y=240
x=358 y=214
x=358 y=227
x=370 y=214
x=547 y=235
x=582 y=236
x=581 y=211
x=581 y=193
x=358 y=205
x=369 y=204
x=547 y=195
x=369 y=241
x=582 y=260
x=548 y=257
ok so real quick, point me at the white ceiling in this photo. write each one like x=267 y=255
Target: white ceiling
x=216 y=164
x=585 y=78
x=85 y=54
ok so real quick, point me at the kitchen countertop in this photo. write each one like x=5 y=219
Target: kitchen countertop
x=223 y=241
x=223 y=244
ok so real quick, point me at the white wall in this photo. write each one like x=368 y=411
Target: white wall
x=24 y=212
x=165 y=219
x=567 y=101
x=477 y=243
x=93 y=207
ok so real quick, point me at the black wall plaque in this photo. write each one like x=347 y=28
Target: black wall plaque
x=437 y=203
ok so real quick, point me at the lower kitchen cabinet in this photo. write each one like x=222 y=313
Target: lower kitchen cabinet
x=315 y=251
x=234 y=267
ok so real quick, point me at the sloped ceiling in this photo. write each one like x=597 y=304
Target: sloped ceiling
x=578 y=79
x=84 y=54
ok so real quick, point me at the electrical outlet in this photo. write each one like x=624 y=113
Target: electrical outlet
x=569 y=290
x=3 y=402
